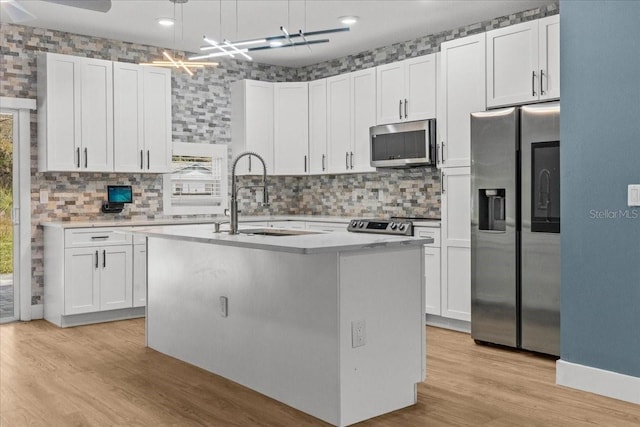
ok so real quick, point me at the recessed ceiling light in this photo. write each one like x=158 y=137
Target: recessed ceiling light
x=275 y=43
x=348 y=20
x=166 y=22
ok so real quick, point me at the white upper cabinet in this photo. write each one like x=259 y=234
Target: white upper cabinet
x=291 y=128
x=338 y=123
x=461 y=92
x=523 y=62
x=102 y=116
x=252 y=125
x=406 y=90
x=318 y=126
x=157 y=119
x=75 y=114
x=549 y=57
x=142 y=118
x=350 y=114
x=363 y=116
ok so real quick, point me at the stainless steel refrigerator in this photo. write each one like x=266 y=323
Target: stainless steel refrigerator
x=515 y=227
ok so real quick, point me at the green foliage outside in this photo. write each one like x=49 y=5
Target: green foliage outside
x=6 y=197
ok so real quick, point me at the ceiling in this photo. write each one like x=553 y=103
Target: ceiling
x=381 y=22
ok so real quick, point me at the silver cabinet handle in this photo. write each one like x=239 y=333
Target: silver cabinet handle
x=104 y=258
x=346 y=160
x=541 y=77
x=442 y=156
x=323 y=162
x=400 y=109
x=148 y=159
x=305 y=164
x=99 y=237
x=443 y=189
x=78 y=156
x=351 y=160
x=249 y=163
x=96 y=259
x=406 y=102
x=86 y=158
x=533 y=83
x=141 y=159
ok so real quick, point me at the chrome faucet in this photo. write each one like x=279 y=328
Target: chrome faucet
x=233 y=225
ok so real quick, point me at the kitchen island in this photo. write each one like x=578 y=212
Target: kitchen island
x=331 y=324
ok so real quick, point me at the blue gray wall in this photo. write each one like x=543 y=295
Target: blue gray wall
x=600 y=134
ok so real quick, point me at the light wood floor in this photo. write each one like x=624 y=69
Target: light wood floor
x=102 y=375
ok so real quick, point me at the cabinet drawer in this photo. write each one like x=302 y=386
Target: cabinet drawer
x=80 y=237
x=139 y=239
x=429 y=232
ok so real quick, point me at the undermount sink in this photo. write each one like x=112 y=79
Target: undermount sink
x=276 y=232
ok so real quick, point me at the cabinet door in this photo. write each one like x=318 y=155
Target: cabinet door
x=258 y=126
x=456 y=243
x=419 y=101
x=81 y=280
x=97 y=115
x=338 y=123
x=432 y=280
x=390 y=93
x=512 y=64
x=318 y=126
x=549 y=57
x=116 y=277
x=157 y=119
x=128 y=119
x=463 y=80
x=363 y=107
x=139 y=275
x=62 y=125
x=291 y=128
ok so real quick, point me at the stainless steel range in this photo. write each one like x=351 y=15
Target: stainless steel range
x=398 y=227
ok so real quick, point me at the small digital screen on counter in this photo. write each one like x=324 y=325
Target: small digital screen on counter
x=377 y=225
x=119 y=194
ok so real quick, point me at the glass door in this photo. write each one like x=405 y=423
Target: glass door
x=8 y=284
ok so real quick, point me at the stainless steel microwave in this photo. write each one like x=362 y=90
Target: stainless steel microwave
x=403 y=145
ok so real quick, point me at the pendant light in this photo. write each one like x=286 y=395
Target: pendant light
x=279 y=41
x=170 y=61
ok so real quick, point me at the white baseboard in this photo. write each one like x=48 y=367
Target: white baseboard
x=37 y=311
x=598 y=381
x=446 y=323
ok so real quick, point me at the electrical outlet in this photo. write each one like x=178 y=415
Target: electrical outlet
x=381 y=195
x=44 y=196
x=224 y=306
x=633 y=195
x=358 y=333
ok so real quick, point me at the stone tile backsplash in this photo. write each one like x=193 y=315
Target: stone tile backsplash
x=201 y=113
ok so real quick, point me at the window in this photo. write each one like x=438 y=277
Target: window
x=198 y=181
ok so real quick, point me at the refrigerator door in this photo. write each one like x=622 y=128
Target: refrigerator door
x=540 y=235
x=494 y=143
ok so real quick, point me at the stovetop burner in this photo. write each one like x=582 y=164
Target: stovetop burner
x=394 y=226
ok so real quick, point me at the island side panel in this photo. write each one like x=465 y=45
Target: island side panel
x=385 y=289
x=280 y=337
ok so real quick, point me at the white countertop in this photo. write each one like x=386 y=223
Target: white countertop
x=319 y=242
x=209 y=220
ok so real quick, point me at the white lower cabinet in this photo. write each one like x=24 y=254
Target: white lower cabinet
x=116 y=277
x=89 y=275
x=431 y=268
x=456 y=243
x=139 y=274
